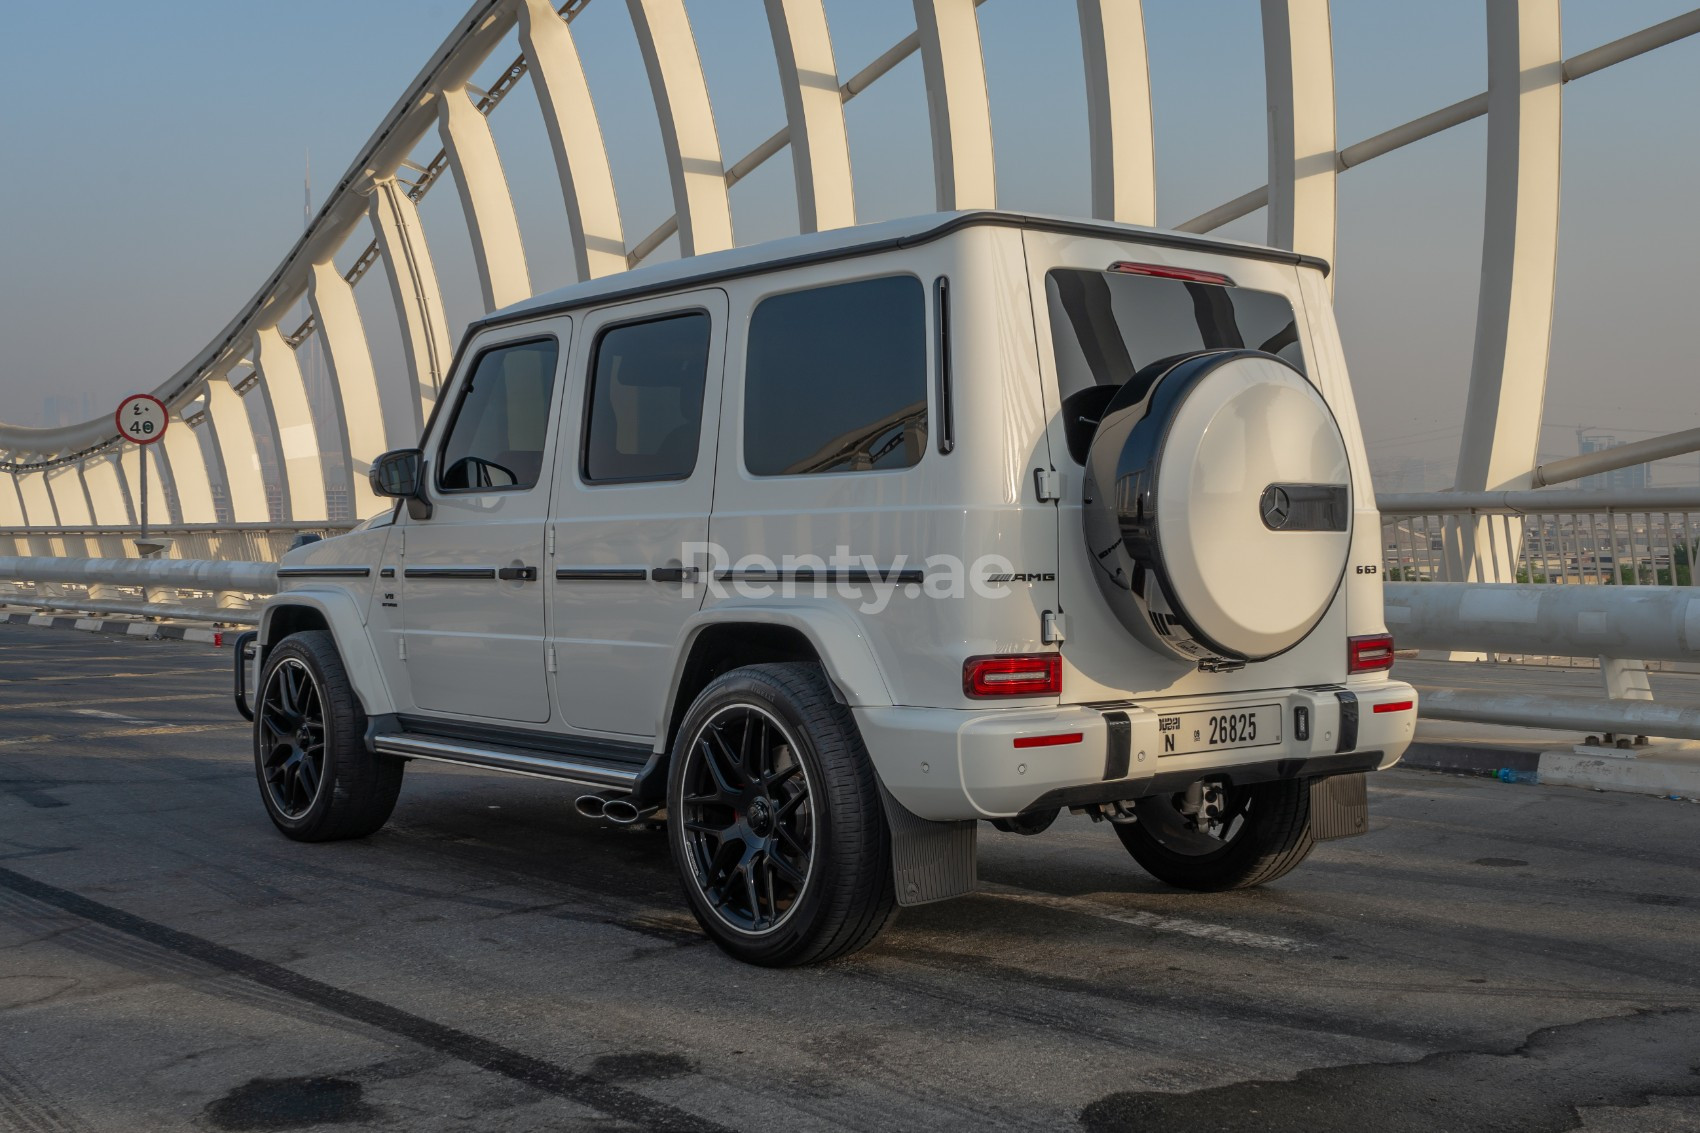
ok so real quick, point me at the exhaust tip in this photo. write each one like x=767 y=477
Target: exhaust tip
x=625 y=812
x=591 y=806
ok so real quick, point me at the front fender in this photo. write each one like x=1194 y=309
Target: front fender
x=837 y=640
x=341 y=614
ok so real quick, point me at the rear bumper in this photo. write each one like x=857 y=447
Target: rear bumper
x=946 y=765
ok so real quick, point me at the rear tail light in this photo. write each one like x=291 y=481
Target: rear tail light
x=1031 y=674
x=1372 y=653
x=1059 y=739
x=1163 y=271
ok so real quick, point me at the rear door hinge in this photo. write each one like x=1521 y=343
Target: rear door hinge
x=551 y=542
x=1054 y=630
x=550 y=654
x=401 y=646
x=1047 y=483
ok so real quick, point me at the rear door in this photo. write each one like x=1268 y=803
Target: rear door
x=1097 y=327
x=471 y=588
x=634 y=493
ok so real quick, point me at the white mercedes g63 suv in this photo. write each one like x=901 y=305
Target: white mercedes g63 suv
x=823 y=552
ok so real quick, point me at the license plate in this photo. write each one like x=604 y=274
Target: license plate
x=1187 y=732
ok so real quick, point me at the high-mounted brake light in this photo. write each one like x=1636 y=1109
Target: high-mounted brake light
x=1030 y=674
x=1372 y=653
x=1162 y=271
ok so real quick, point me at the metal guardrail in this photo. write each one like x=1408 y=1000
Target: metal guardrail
x=1596 y=538
x=191 y=590
x=257 y=542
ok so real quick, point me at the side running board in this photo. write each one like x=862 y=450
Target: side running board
x=588 y=773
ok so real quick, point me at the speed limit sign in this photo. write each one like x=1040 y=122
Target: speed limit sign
x=142 y=418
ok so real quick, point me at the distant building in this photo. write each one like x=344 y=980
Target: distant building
x=1618 y=479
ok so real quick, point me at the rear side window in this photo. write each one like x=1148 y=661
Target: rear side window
x=836 y=379
x=496 y=438
x=1108 y=328
x=646 y=400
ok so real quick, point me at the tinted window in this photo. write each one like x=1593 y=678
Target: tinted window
x=496 y=438
x=1107 y=327
x=646 y=400
x=836 y=379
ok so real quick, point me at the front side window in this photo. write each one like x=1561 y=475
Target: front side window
x=646 y=400
x=1108 y=328
x=836 y=379
x=496 y=438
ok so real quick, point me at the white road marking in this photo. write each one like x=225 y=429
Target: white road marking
x=104 y=715
x=1203 y=930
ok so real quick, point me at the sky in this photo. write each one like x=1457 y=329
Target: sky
x=152 y=160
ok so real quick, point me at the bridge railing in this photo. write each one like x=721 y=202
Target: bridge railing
x=250 y=542
x=1646 y=537
x=189 y=590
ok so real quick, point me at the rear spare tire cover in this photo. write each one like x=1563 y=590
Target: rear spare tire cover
x=1218 y=507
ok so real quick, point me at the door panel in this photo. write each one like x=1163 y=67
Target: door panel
x=638 y=491
x=472 y=590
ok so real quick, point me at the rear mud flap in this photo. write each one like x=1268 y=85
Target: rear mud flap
x=1339 y=807
x=930 y=861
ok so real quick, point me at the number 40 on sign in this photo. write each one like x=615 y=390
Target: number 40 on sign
x=142 y=418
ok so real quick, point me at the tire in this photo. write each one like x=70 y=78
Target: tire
x=307 y=709
x=775 y=819
x=1271 y=838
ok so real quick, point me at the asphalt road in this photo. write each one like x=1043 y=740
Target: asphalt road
x=1490 y=957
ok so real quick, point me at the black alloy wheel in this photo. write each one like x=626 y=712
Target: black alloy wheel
x=318 y=778
x=748 y=818
x=291 y=727
x=775 y=819
x=1261 y=832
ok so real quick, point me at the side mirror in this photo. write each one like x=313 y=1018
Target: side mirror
x=396 y=474
x=400 y=475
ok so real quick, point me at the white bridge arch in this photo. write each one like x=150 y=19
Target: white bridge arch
x=73 y=490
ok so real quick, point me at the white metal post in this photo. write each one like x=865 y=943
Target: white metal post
x=964 y=172
x=1118 y=110
x=1298 y=68
x=413 y=285
x=814 y=113
x=497 y=249
x=687 y=125
x=1508 y=372
x=236 y=444
x=581 y=157
x=297 y=437
x=365 y=434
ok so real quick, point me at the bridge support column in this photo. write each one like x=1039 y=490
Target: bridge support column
x=107 y=495
x=413 y=284
x=364 y=435
x=1508 y=372
x=687 y=125
x=964 y=172
x=70 y=501
x=1298 y=67
x=1118 y=110
x=238 y=450
x=814 y=111
x=581 y=157
x=497 y=249
x=38 y=500
x=188 y=465
x=297 y=438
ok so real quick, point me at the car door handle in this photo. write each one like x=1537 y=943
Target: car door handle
x=517 y=574
x=674 y=574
